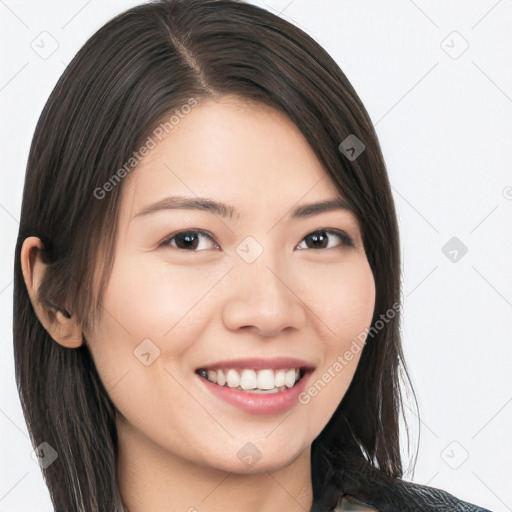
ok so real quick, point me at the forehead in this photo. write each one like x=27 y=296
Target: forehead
x=245 y=154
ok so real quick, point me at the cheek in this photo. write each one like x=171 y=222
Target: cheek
x=351 y=317
x=347 y=309
x=148 y=324
x=346 y=301
x=358 y=299
x=150 y=300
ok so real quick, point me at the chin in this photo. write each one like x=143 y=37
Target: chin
x=256 y=457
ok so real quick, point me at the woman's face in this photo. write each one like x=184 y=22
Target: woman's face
x=257 y=297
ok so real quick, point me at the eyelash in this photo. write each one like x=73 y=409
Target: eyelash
x=345 y=239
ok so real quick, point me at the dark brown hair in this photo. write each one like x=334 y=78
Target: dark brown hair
x=127 y=78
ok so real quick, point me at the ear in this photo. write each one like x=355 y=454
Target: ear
x=59 y=323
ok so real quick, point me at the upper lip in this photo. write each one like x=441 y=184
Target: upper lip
x=260 y=363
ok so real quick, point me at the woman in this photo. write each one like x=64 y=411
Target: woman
x=207 y=276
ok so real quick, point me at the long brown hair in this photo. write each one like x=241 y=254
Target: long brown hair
x=128 y=77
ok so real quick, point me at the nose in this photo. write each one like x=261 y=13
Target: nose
x=262 y=299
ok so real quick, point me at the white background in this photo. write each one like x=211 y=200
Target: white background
x=445 y=125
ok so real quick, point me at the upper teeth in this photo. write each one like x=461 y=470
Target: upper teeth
x=253 y=379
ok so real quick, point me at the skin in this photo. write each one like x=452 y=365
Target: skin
x=178 y=442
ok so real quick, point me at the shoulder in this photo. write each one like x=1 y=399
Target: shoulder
x=402 y=496
x=356 y=485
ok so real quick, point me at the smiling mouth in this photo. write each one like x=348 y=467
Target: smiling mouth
x=254 y=381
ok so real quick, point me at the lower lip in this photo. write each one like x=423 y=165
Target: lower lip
x=259 y=403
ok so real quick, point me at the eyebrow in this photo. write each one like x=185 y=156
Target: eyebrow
x=226 y=211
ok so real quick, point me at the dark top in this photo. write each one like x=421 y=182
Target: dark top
x=350 y=482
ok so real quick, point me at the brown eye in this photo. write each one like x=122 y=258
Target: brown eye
x=188 y=240
x=320 y=239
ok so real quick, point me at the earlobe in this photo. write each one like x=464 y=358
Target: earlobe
x=60 y=323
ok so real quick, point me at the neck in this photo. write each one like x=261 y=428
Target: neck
x=151 y=478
